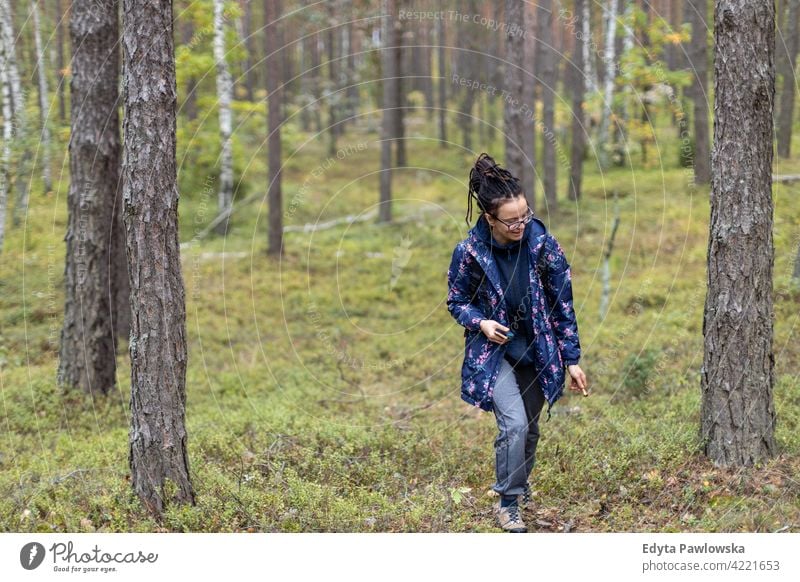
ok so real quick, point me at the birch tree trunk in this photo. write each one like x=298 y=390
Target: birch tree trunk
x=159 y=461
x=19 y=115
x=43 y=98
x=603 y=142
x=224 y=98
x=87 y=358
x=5 y=170
x=737 y=378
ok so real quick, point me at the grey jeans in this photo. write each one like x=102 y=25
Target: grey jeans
x=518 y=401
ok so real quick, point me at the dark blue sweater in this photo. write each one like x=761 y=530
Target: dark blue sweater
x=513 y=266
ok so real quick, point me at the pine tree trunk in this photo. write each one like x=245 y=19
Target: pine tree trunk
x=190 y=103
x=274 y=43
x=333 y=77
x=399 y=92
x=529 y=75
x=789 y=87
x=577 y=88
x=737 y=378
x=159 y=461
x=224 y=99
x=389 y=75
x=698 y=58
x=44 y=112
x=87 y=358
x=546 y=65
x=442 y=82
x=513 y=95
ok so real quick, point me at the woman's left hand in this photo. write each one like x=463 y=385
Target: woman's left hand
x=578 y=379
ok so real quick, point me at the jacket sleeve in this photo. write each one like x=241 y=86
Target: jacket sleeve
x=558 y=287
x=458 y=301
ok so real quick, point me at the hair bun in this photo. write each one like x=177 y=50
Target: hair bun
x=486 y=165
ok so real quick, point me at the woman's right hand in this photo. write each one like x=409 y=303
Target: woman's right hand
x=494 y=330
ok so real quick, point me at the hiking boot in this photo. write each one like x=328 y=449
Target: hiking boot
x=524 y=498
x=509 y=518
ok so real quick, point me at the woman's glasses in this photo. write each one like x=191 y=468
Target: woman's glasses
x=518 y=223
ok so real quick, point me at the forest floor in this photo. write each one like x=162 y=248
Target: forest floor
x=323 y=388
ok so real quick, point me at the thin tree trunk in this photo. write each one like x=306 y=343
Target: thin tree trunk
x=43 y=98
x=273 y=46
x=590 y=69
x=62 y=107
x=19 y=116
x=250 y=47
x=546 y=64
x=5 y=170
x=442 y=83
x=224 y=98
x=737 y=378
x=577 y=88
x=389 y=74
x=603 y=142
x=529 y=86
x=789 y=87
x=513 y=95
x=87 y=357
x=399 y=93
x=159 y=460
x=190 y=103
x=698 y=59
x=333 y=77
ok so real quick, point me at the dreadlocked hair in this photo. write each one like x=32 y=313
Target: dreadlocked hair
x=489 y=185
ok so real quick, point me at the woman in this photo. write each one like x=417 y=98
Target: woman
x=510 y=288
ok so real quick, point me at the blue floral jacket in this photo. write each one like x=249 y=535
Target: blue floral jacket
x=556 y=341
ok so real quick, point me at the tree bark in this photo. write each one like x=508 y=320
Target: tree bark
x=577 y=88
x=250 y=47
x=159 y=461
x=545 y=56
x=698 y=59
x=62 y=107
x=44 y=109
x=190 y=103
x=603 y=142
x=5 y=170
x=789 y=87
x=273 y=46
x=513 y=95
x=737 y=378
x=224 y=99
x=399 y=91
x=389 y=74
x=442 y=82
x=87 y=355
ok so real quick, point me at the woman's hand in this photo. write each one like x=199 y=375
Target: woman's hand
x=494 y=330
x=578 y=382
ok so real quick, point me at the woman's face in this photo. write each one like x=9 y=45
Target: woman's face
x=510 y=212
